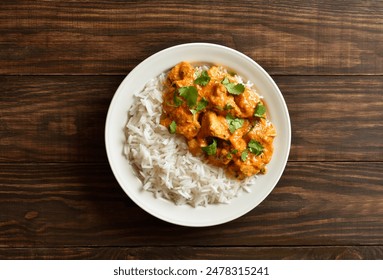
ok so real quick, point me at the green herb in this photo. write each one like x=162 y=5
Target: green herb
x=203 y=79
x=210 y=149
x=200 y=106
x=260 y=110
x=231 y=153
x=173 y=127
x=255 y=147
x=228 y=107
x=244 y=155
x=218 y=108
x=177 y=101
x=235 y=89
x=225 y=81
x=234 y=123
x=190 y=94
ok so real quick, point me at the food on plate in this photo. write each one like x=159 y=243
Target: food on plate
x=220 y=128
x=220 y=117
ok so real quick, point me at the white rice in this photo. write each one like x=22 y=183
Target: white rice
x=163 y=161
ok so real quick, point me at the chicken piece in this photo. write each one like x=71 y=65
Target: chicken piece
x=225 y=156
x=236 y=138
x=181 y=71
x=251 y=166
x=220 y=159
x=215 y=126
x=218 y=96
x=247 y=101
x=189 y=129
x=221 y=101
x=262 y=132
x=194 y=147
x=237 y=141
x=244 y=170
x=187 y=123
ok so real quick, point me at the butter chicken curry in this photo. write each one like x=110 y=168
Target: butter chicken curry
x=220 y=118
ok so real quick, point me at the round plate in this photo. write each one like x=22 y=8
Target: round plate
x=163 y=61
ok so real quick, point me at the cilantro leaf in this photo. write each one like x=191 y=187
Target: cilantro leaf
x=255 y=147
x=234 y=123
x=228 y=107
x=177 y=101
x=231 y=153
x=244 y=155
x=173 y=127
x=225 y=81
x=219 y=108
x=260 y=110
x=190 y=94
x=210 y=149
x=235 y=89
x=203 y=79
x=200 y=106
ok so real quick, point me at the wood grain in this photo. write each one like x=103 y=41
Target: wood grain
x=112 y=37
x=62 y=61
x=55 y=118
x=335 y=118
x=197 y=253
x=49 y=205
x=62 y=118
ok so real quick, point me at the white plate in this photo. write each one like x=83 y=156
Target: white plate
x=160 y=62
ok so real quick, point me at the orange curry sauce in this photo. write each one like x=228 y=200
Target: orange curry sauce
x=220 y=118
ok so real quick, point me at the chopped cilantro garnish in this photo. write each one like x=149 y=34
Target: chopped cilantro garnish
x=225 y=81
x=260 y=110
x=203 y=79
x=235 y=89
x=210 y=149
x=190 y=94
x=228 y=107
x=234 y=123
x=200 y=106
x=231 y=153
x=173 y=127
x=255 y=147
x=244 y=155
x=219 y=108
x=177 y=101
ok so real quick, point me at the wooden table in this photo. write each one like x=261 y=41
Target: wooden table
x=60 y=64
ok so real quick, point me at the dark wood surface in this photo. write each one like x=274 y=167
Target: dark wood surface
x=60 y=64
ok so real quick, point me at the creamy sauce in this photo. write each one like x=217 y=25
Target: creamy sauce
x=228 y=126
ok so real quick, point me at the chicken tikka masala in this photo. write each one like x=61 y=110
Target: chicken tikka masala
x=221 y=118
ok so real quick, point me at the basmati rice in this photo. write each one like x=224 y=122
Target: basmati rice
x=163 y=161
